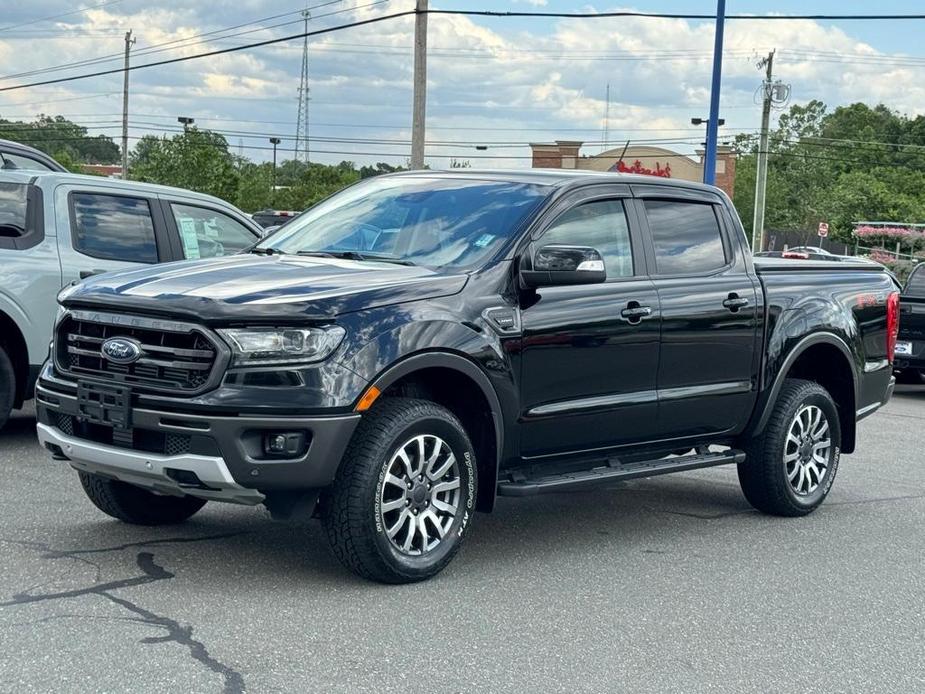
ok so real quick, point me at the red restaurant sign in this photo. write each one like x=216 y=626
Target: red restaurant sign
x=637 y=168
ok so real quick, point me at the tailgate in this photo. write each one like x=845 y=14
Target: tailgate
x=911 y=318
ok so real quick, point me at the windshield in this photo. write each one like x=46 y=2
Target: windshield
x=430 y=221
x=916 y=285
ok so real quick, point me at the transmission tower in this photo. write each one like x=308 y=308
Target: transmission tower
x=301 y=133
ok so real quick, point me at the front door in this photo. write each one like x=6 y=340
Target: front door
x=588 y=359
x=709 y=312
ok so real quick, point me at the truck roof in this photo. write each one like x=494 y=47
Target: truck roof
x=52 y=178
x=556 y=177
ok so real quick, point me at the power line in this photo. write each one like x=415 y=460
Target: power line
x=188 y=41
x=670 y=15
x=222 y=51
x=63 y=14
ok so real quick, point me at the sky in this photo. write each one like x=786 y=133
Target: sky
x=495 y=83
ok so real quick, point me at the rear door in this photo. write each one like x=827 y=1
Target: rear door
x=108 y=230
x=709 y=311
x=587 y=364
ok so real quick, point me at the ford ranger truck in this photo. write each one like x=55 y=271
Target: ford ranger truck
x=910 y=347
x=418 y=344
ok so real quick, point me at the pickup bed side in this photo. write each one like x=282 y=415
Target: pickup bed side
x=826 y=323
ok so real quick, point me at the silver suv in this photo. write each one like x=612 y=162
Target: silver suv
x=57 y=228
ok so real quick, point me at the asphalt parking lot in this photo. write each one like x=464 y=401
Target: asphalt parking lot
x=671 y=584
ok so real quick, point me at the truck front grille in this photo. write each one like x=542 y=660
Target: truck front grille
x=174 y=356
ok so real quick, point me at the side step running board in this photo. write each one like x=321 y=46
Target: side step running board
x=519 y=485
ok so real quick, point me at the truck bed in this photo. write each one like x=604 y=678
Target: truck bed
x=764 y=264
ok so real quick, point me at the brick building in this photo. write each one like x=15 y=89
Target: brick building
x=640 y=159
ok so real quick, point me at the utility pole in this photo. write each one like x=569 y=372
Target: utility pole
x=709 y=163
x=301 y=133
x=761 y=179
x=128 y=44
x=419 y=105
x=606 y=119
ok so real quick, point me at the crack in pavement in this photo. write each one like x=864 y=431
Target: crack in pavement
x=151 y=572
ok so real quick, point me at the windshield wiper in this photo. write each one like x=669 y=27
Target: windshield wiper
x=355 y=255
x=269 y=250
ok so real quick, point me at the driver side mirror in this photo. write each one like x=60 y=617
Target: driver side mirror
x=557 y=265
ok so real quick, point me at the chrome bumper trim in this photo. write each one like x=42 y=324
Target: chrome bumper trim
x=148 y=470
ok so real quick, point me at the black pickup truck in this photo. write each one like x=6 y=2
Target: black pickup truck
x=419 y=343
x=910 y=347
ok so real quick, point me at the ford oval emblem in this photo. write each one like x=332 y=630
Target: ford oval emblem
x=121 y=350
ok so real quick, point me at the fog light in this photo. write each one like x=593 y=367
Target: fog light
x=290 y=444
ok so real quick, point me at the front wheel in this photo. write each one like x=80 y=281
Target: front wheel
x=789 y=469
x=404 y=494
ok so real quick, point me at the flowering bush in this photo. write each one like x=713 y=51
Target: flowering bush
x=890 y=235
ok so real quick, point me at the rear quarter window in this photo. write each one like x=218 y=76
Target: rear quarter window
x=14 y=199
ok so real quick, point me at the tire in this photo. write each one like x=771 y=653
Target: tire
x=913 y=377
x=134 y=505
x=7 y=386
x=771 y=476
x=369 y=512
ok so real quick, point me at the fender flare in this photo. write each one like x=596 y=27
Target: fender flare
x=449 y=360
x=791 y=358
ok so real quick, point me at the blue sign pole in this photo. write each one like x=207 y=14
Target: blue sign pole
x=709 y=161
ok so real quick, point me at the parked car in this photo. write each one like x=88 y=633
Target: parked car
x=56 y=228
x=421 y=342
x=274 y=218
x=910 y=348
x=15 y=156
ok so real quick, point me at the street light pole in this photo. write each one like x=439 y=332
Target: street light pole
x=709 y=164
x=274 y=141
x=186 y=121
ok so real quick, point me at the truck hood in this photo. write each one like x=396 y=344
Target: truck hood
x=258 y=288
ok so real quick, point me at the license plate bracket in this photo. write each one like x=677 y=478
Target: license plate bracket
x=904 y=348
x=104 y=404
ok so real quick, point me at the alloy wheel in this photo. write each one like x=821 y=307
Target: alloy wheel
x=420 y=494
x=807 y=450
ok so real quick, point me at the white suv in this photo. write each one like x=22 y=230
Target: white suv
x=56 y=228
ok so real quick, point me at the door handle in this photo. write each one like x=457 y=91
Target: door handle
x=734 y=302
x=634 y=312
x=84 y=274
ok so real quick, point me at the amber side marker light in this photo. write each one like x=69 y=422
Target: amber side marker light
x=369 y=397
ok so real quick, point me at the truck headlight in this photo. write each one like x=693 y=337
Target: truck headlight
x=265 y=346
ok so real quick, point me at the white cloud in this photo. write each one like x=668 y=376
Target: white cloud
x=490 y=80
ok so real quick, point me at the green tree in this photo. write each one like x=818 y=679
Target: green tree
x=195 y=159
x=62 y=139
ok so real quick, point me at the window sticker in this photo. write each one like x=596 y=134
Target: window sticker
x=189 y=239
x=483 y=240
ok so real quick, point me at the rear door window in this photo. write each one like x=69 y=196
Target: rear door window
x=208 y=233
x=114 y=227
x=686 y=236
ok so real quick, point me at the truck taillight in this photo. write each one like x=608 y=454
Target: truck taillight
x=892 y=324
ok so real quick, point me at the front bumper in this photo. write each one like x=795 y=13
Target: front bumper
x=224 y=452
x=150 y=471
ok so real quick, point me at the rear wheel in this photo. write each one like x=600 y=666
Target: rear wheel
x=135 y=505
x=7 y=386
x=789 y=469
x=404 y=493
